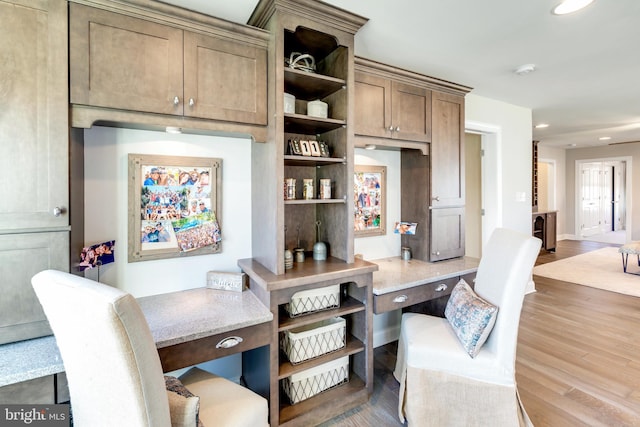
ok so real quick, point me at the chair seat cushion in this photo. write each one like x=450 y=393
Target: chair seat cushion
x=432 y=344
x=471 y=317
x=225 y=403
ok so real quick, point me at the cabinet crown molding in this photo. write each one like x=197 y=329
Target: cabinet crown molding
x=410 y=77
x=324 y=13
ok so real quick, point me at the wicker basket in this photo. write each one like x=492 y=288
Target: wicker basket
x=314 y=340
x=310 y=382
x=313 y=300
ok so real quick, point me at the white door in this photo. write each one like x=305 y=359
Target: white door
x=619 y=191
x=590 y=186
x=606 y=222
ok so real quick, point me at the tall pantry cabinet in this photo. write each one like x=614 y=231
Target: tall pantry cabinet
x=34 y=220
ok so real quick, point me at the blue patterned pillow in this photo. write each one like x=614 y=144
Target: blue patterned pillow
x=471 y=317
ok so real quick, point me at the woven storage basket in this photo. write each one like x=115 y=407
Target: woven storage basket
x=313 y=300
x=310 y=382
x=314 y=340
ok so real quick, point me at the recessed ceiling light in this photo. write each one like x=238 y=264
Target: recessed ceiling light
x=525 y=69
x=370 y=147
x=604 y=138
x=542 y=126
x=572 y=145
x=570 y=6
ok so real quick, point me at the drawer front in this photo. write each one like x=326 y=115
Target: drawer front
x=414 y=295
x=204 y=349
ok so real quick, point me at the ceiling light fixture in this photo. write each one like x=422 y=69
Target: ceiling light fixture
x=542 y=126
x=570 y=6
x=525 y=69
x=370 y=147
x=604 y=138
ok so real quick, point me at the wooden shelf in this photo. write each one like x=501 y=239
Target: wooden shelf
x=349 y=305
x=312 y=201
x=310 y=86
x=328 y=402
x=352 y=346
x=300 y=123
x=292 y=160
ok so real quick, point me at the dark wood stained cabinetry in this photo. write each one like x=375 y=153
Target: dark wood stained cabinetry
x=34 y=219
x=158 y=65
x=544 y=228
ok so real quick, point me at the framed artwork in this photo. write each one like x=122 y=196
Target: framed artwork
x=174 y=206
x=369 y=199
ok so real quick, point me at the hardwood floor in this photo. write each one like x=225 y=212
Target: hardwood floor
x=578 y=359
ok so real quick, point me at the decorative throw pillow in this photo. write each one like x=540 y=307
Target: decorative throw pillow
x=471 y=317
x=183 y=405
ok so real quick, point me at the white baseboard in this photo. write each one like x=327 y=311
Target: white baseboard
x=386 y=335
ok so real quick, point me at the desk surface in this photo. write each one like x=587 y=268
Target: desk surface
x=174 y=318
x=395 y=274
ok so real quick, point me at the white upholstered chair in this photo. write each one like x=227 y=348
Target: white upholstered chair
x=113 y=368
x=440 y=383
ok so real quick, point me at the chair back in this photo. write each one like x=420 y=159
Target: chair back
x=503 y=273
x=112 y=365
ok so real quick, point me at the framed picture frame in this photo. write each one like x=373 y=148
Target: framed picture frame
x=369 y=198
x=174 y=206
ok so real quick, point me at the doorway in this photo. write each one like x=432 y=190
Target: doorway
x=603 y=195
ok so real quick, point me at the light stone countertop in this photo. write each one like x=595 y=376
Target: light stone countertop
x=174 y=318
x=183 y=316
x=29 y=359
x=395 y=274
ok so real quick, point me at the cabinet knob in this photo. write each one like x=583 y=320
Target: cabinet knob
x=191 y=102
x=57 y=211
x=391 y=128
x=229 y=342
x=397 y=128
x=441 y=287
x=176 y=101
x=436 y=253
x=436 y=198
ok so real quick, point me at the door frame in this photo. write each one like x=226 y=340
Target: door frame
x=628 y=192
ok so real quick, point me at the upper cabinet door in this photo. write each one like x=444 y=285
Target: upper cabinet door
x=224 y=80
x=411 y=112
x=447 y=154
x=117 y=61
x=372 y=106
x=34 y=115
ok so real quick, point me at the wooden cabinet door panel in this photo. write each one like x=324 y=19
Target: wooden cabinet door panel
x=447 y=233
x=21 y=257
x=34 y=116
x=411 y=112
x=226 y=80
x=372 y=106
x=117 y=61
x=447 y=154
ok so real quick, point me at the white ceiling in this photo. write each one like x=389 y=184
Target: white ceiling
x=587 y=79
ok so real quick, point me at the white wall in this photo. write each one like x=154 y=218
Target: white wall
x=106 y=208
x=512 y=157
x=558 y=157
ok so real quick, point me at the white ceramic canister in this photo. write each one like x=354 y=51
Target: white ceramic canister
x=317 y=108
x=289 y=188
x=289 y=103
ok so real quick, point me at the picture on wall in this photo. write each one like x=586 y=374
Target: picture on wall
x=369 y=199
x=174 y=206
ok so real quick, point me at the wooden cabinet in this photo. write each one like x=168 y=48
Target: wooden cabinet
x=544 y=228
x=356 y=302
x=390 y=109
x=132 y=61
x=34 y=220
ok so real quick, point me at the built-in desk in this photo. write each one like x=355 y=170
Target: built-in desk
x=187 y=326
x=398 y=283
